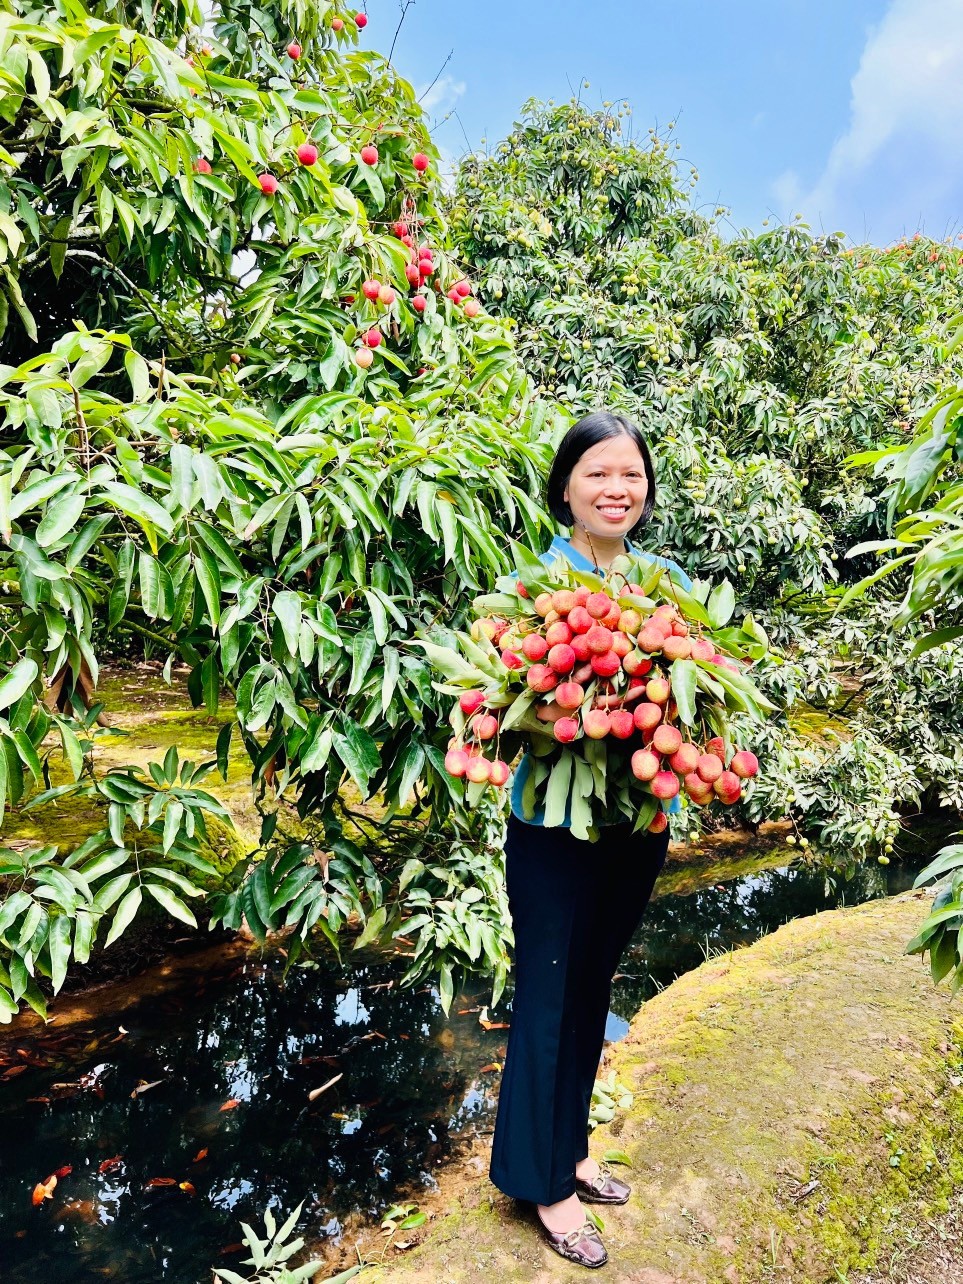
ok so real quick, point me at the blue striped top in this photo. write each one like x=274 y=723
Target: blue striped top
x=560 y=547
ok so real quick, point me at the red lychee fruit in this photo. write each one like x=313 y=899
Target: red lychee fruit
x=471 y=701
x=659 y=823
x=511 y=659
x=369 y=154
x=744 y=764
x=579 y=619
x=372 y=338
x=569 y=695
x=582 y=594
x=361 y=20
x=499 y=772
x=685 y=759
x=630 y=622
x=456 y=762
x=607 y=665
x=534 y=646
x=697 y=789
x=307 y=153
x=400 y=229
x=558 y=631
x=267 y=183
x=667 y=739
x=419 y=303
x=543 y=604
x=520 y=589
x=728 y=788
x=596 y=723
x=563 y=601
x=386 y=295
x=650 y=639
x=621 y=724
x=702 y=649
x=462 y=288
x=717 y=746
x=598 y=604
x=709 y=767
x=420 y=162
x=580 y=647
x=622 y=645
x=472 y=308
x=541 y=678
x=645 y=764
x=665 y=784
x=680 y=629
x=657 y=690
x=562 y=658
x=337 y=24
x=484 y=726
x=599 y=639
x=646 y=716
x=565 y=730
x=363 y=358
x=479 y=771
x=370 y=289
x=636 y=664
x=202 y=166
x=294 y=50
x=412 y=275
x=676 y=648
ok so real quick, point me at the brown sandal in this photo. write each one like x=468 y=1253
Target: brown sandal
x=582 y=1245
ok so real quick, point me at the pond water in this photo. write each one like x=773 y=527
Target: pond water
x=161 y=1176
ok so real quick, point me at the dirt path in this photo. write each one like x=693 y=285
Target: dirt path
x=798 y=1117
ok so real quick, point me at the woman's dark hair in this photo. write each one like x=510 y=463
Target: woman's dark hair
x=589 y=431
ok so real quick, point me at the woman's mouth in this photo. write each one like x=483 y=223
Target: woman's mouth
x=613 y=512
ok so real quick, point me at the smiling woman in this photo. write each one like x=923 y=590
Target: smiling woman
x=574 y=905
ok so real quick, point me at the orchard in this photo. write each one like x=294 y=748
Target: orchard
x=273 y=405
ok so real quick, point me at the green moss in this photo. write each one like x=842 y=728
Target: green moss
x=821 y=1053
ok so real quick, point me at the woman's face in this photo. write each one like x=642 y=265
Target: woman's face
x=607 y=488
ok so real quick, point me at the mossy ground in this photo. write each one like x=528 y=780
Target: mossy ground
x=821 y=1054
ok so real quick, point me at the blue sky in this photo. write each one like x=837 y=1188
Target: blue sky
x=849 y=111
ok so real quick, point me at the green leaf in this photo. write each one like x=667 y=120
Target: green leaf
x=124 y=916
x=683 y=675
x=287 y=610
x=358 y=751
x=58 y=943
x=173 y=904
x=373 y=927
x=557 y=789
x=18 y=681
x=721 y=604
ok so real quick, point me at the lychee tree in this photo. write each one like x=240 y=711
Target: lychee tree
x=757 y=365
x=198 y=452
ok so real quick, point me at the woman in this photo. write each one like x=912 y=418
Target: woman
x=574 y=904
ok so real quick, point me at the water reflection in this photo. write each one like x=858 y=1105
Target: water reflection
x=228 y=1129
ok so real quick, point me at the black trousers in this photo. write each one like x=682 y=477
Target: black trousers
x=575 y=905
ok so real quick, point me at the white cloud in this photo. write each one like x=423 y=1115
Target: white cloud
x=900 y=154
x=441 y=96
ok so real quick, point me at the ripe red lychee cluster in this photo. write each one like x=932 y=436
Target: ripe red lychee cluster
x=468 y=759
x=606 y=671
